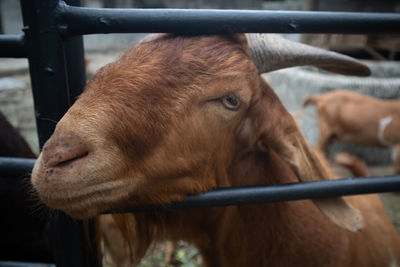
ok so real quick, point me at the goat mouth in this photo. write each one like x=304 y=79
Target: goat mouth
x=56 y=169
x=57 y=180
x=89 y=201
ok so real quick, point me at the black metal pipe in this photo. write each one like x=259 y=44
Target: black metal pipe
x=15 y=167
x=49 y=74
x=283 y=192
x=79 y=20
x=76 y=70
x=47 y=65
x=257 y=194
x=12 y=46
x=24 y=264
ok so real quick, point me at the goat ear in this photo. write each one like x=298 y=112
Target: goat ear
x=308 y=165
x=281 y=133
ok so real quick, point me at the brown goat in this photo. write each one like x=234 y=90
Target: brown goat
x=352 y=117
x=180 y=115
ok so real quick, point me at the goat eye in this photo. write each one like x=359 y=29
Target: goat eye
x=231 y=102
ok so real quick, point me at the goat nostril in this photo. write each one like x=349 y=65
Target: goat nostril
x=63 y=150
x=61 y=155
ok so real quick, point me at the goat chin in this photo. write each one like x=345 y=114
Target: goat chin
x=180 y=115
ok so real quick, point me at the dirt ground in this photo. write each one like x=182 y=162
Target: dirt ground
x=17 y=104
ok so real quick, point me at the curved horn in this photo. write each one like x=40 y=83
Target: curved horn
x=272 y=52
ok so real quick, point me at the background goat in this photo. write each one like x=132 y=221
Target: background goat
x=180 y=115
x=352 y=117
x=357 y=167
x=23 y=236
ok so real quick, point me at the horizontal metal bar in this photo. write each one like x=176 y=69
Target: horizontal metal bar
x=80 y=20
x=12 y=46
x=281 y=192
x=249 y=194
x=24 y=264
x=15 y=167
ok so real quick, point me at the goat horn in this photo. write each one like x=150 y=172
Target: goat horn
x=271 y=52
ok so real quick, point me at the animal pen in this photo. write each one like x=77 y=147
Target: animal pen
x=52 y=42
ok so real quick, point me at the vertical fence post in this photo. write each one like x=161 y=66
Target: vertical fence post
x=74 y=54
x=46 y=63
x=49 y=75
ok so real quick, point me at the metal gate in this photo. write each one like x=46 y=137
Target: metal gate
x=52 y=42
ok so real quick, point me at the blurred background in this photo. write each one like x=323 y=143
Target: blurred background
x=380 y=52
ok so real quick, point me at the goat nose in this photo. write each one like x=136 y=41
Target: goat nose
x=62 y=151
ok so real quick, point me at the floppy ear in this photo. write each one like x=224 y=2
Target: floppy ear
x=277 y=130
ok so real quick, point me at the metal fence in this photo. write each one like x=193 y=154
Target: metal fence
x=52 y=42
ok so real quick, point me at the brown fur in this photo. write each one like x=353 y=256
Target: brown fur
x=357 y=167
x=152 y=128
x=117 y=252
x=352 y=117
